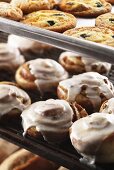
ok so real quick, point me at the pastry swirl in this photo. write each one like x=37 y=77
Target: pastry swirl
x=108 y=106
x=89 y=90
x=75 y=64
x=10 y=59
x=44 y=74
x=12 y=99
x=52 y=118
x=93 y=137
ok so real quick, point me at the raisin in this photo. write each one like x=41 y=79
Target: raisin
x=84 y=35
x=70 y=3
x=99 y=4
x=58 y=15
x=51 y=23
x=111 y=20
x=112 y=36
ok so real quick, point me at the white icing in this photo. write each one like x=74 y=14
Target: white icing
x=88 y=62
x=91 y=131
x=25 y=44
x=10 y=98
x=94 y=83
x=10 y=58
x=51 y=115
x=109 y=106
x=46 y=72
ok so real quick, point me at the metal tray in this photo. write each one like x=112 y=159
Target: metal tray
x=84 y=47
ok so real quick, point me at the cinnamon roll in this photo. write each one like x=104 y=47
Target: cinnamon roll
x=41 y=74
x=28 y=47
x=51 y=118
x=93 y=137
x=89 y=90
x=10 y=60
x=108 y=106
x=75 y=64
x=13 y=101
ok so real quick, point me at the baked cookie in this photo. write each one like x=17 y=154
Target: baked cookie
x=85 y=8
x=52 y=118
x=13 y=101
x=28 y=6
x=74 y=63
x=105 y=20
x=8 y=11
x=52 y=20
x=110 y=1
x=96 y=34
x=41 y=74
x=10 y=60
x=89 y=90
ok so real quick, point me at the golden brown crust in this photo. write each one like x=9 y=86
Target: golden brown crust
x=74 y=67
x=110 y=1
x=8 y=11
x=29 y=6
x=52 y=20
x=105 y=20
x=96 y=34
x=79 y=111
x=25 y=160
x=24 y=78
x=85 y=8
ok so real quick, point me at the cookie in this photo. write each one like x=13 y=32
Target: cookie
x=28 y=6
x=8 y=11
x=50 y=19
x=110 y=1
x=96 y=34
x=85 y=8
x=105 y=20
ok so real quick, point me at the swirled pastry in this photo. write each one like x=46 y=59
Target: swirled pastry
x=108 y=106
x=28 y=6
x=75 y=64
x=52 y=20
x=8 y=11
x=93 y=137
x=105 y=20
x=10 y=60
x=85 y=8
x=89 y=90
x=27 y=46
x=13 y=100
x=96 y=34
x=52 y=118
x=42 y=74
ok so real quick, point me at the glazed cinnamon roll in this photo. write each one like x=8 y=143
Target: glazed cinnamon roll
x=13 y=101
x=28 y=47
x=75 y=64
x=10 y=60
x=108 y=106
x=89 y=90
x=93 y=137
x=41 y=74
x=51 y=118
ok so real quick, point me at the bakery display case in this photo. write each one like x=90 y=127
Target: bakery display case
x=63 y=154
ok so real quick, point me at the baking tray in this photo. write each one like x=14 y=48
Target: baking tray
x=87 y=48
